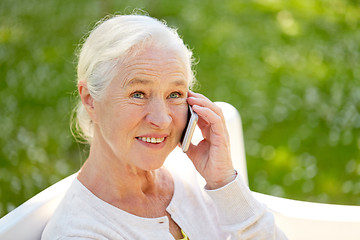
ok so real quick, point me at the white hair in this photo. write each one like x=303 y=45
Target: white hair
x=108 y=45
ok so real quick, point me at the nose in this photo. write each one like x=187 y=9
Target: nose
x=158 y=115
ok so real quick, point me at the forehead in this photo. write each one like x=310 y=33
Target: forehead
x=152 y=65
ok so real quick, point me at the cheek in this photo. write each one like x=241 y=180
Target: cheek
x=115 y=118
x=180 y=117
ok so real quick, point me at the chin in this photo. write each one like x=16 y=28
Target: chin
x=152 y=167
x=152 y=164
x=153 y=161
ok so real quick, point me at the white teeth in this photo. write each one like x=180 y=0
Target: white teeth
x=151 y=140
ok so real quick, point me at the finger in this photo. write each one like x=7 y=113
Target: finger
x=215 y=122
x=201 y=100
x=212 y=106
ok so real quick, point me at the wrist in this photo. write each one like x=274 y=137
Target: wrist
x=212 y=185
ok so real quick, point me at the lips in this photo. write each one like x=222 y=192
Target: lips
x=151 y=139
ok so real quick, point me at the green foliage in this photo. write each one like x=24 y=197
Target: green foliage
x=290 y=67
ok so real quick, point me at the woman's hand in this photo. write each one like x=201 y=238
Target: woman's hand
x=211 y=156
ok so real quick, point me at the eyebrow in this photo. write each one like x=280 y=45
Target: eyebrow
x=137 y=81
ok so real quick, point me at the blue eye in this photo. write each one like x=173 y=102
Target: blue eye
x=174 y=95
x=138 y=95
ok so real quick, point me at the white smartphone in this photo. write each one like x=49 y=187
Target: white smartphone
x=189 y=130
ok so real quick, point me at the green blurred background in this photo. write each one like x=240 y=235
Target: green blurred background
x=290 y=67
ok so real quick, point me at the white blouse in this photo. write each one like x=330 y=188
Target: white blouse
x=230 y=212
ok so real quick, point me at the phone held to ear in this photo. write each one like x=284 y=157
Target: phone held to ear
x=189 y=129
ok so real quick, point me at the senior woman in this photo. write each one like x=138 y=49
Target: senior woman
x=134 y=75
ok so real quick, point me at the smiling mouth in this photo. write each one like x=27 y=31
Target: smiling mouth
x=151 y=139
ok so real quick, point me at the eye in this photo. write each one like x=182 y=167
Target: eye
x=175 y=95
x=138 y=95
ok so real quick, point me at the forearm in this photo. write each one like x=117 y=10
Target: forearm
x=242 y=215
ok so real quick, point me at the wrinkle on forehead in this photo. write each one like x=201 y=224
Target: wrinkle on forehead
x=153 y=65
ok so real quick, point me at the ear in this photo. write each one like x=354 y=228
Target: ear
x=87 y=100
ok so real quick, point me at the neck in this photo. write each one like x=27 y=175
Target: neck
x=111 y=179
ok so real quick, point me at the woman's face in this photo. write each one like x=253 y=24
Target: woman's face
x=141 y=118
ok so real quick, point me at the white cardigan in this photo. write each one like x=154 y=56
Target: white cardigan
x=230 y=212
